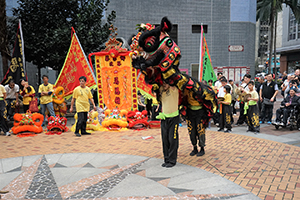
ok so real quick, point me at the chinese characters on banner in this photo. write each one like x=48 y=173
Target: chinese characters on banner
x=16 y=69
x=116 y=81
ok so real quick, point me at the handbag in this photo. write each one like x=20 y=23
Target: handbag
x=268 y=102
x=33 y=105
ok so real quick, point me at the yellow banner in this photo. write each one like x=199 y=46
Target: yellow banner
x=116 y=81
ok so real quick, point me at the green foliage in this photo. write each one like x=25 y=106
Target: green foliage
x=264 y=8
x=46 y=26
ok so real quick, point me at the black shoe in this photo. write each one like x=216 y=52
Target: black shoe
x=249 y=130
x=194 y=152
x=78 y=134
x=221 y=129
x=201 y=152
x=169 y=165
x=86 y=133
x=164 y=164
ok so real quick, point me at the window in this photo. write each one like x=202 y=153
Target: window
x=174 y=33
x=292 y=26
x=197 y=28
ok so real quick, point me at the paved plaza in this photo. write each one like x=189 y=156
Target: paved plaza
x=121 y=165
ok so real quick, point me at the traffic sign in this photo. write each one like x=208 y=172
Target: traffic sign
x=236 y=48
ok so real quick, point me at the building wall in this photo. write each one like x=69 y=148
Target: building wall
x=279 y=30
x=285 y=29
x=230 y=22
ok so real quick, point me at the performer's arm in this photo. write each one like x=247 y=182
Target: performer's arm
x=72 y=103
x=276 y=92
x=4 y=96
x=92 y=100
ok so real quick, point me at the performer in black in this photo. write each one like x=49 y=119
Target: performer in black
x=194 y=119
x=169 y=123
x=251 y=109
x=226 y=111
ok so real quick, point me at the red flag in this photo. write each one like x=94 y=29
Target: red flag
x=75 y=66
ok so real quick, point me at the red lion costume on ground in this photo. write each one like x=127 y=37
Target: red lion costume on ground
x=157 y=56
x=137 y=120
x=57 y=125
x=28 y=122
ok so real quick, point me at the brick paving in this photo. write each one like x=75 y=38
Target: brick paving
x=268 y=169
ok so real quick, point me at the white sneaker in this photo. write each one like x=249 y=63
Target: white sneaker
x=7 y=133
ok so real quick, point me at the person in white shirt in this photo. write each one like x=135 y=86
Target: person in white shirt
x=218 y=82
x=12 y=98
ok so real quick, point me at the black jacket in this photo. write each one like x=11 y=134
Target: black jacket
x=295 y=101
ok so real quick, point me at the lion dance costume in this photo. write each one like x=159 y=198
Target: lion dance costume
x=59 y=104
x=27 y=124
x=157 y=56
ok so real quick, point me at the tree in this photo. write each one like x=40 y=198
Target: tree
x=4 y=48
x=47 y=26
x=267 y=10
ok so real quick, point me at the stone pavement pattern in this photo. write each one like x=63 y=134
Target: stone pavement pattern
x=106 y=176
x=268 y=169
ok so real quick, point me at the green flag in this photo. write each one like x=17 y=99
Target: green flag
x=207 y=68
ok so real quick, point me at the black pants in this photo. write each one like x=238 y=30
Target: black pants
x=242 y=117
x=285 y=112
x=233 y=106
x=81 y=122
x=225 y=118
x=11 y=105
x=169 y=136
x=252 y=117
x=216 y=117
x=195 y=126
x=3 y=113
x=141 y=108
x=266 y=112
x=25 y=108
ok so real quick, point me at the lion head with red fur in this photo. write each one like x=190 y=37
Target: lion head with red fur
x=137 y=120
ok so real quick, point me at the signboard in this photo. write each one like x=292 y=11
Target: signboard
x=236 y=48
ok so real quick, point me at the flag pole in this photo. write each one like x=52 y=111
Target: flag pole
x=22 y=41
x=200 y=56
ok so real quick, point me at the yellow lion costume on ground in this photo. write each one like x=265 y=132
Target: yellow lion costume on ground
x=115 y=120
x=92 y=123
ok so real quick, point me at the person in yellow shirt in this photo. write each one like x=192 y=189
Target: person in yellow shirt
x=3 y=121
x=82 y=94
x=251 y=110
x=226 y=111
x=45 y=94
x=27 y=92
